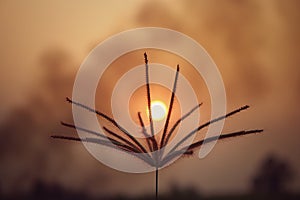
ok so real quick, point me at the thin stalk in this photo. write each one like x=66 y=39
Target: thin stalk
x=97 y=141
x=207 y=124
x=190 y=148
x=122 y=139
x=83 y=129
x=137 y=150
x=156 y=183
x=118 y=146
x=155 y=146
x=180 y=120
x=224 y=136
x=110 y=120
x=147 y=136
x=149 y=100
x=162 y=143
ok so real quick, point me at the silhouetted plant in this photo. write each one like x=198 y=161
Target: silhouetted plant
x=124 y=141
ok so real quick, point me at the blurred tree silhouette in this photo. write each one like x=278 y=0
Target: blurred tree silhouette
x=25 y=150
x=272 y=176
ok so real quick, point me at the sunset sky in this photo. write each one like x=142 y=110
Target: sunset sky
x=254 y=43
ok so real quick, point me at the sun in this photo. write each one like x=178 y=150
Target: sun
x=158 y=110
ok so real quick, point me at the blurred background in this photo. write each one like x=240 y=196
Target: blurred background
x=254 y=43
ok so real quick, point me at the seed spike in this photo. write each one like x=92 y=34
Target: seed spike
x=207 y=124
x=118 y=146
x=144 y=131
x=180 y=120
x=108 y=119
x=195 y=145
x=155 y=146
x=170 y=108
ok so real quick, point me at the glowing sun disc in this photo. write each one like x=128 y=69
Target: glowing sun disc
x=158 y=110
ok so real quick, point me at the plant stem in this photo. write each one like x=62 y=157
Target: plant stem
x=156 y=183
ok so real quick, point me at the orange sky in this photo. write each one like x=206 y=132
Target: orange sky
x=254 y=43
